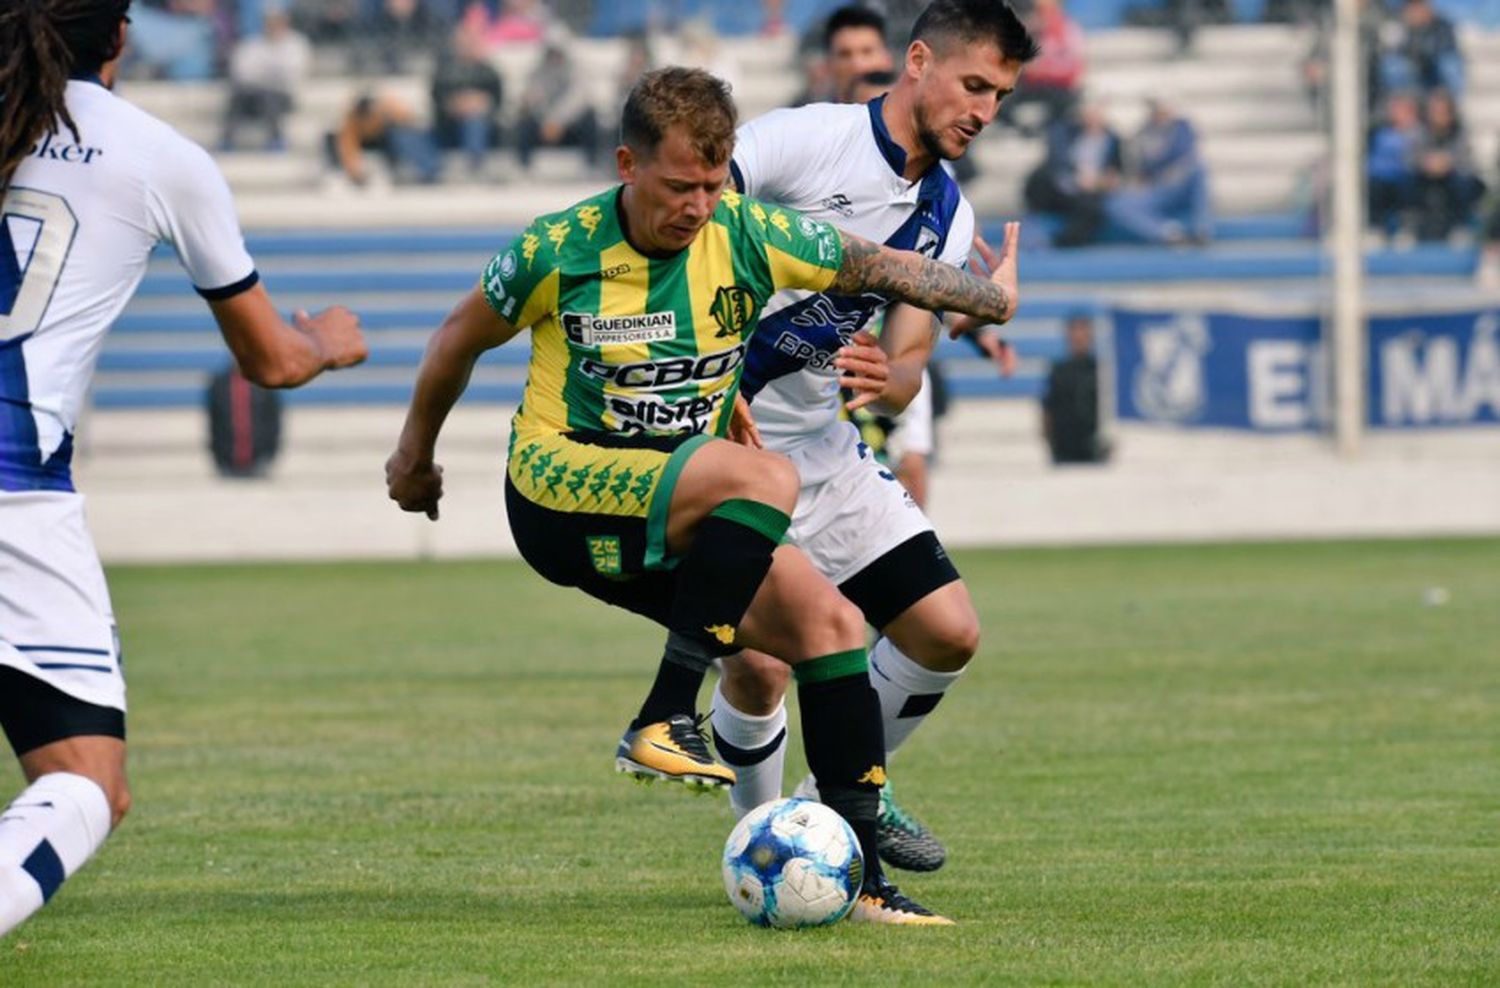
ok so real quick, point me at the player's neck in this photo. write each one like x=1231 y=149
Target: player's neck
x=899 y=111
x=629 y=229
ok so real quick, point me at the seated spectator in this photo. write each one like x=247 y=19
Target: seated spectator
x=1419 y=52
x=264 y=71
x=510 y=22
x=387 y=125
x=466 y=99
x=1391 y=168
x=1051 y=79
x=1166 y=200
x=1083 y=164
x=1448 y=186
x=555 y=109
x=1070 y=403
x=397 y=30
x=328 y=21
x=174 y=39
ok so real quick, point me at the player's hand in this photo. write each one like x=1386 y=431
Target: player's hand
x=999 y=350
x=336 y=333
x=416 y=485
x=1004 y=270
x=742 y=427
x=864 y=368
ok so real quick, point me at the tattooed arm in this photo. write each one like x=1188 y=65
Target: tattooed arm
x=928 y=284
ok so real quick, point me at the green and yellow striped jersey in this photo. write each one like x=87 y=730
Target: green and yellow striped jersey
x=622 y=342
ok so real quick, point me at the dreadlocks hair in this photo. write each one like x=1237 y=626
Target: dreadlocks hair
x=42 y=44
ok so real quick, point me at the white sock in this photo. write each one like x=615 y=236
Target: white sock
x=45 y=836
x=755 y=747
x=907 y=691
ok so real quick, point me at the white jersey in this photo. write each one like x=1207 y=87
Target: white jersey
x=833 y=162
x=80 y=220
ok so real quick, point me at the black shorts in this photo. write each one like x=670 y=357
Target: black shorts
x=34 y=713
x=884 y=589
x=589 y=510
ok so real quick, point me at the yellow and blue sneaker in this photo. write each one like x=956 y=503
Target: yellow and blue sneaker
x=882 y=902
x=675 y=749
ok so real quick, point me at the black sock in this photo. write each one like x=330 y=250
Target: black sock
x=728 y=560
x=845 y=743
x=675 y=690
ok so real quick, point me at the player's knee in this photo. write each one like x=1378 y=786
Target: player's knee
x=756 y=685
x=769 y=478
x=952 y=645
x=846 y=624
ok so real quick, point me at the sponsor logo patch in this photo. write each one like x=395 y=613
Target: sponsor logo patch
x=586 y=329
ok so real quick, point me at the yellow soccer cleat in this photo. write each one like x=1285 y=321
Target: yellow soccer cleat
x=885 y=904
x=675 y=749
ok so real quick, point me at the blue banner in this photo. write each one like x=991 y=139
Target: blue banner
x=1270 y=373
x=1219 y=370
x=1435 y=370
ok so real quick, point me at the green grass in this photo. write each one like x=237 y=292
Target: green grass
x=1263 y=764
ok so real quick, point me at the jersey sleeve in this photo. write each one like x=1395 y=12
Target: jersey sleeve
x=189 y=204
x=787 y=249
x=520 y=283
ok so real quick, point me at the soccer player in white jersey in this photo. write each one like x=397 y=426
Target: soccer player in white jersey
x=876 y=170
x=89 y=185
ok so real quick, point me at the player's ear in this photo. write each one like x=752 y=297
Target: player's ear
x=918 y=57
x=625 y=163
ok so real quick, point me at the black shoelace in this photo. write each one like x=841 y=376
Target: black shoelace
x=689 y=734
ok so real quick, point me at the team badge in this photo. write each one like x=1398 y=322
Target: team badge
x=508 y=265
x=733 y=309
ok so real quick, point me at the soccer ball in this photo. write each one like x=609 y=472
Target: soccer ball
x=791 y=863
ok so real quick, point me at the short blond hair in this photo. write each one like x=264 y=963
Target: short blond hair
x=692 y=99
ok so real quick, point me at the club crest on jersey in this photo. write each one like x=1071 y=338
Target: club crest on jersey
x=586 y=329
x=733 y=309
x=927 y=241
x=508 y=265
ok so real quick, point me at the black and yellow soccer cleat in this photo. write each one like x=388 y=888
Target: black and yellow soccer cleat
x=675 y=749
x=884 y=903
x=902 y=839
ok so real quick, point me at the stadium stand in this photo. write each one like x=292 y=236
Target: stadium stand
x=402 y=255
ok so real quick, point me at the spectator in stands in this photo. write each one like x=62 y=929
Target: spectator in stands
x=395 y=31
x=327 y=21
x=1419 y=52
x=466 y=99
x=1391 y=168
x=264 y=71
x=1448 y=187
x=1488 y=271
x=508 y=22
x=555 y=107
x=1166 y=200
x=174 y=39
x=1070 y=403
x=871 y=85
x=387 y=125
x=699 y=48
x=1082 y=166
x=853 y=44
x=1051 y=80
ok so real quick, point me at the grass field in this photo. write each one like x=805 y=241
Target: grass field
x=1255 y=764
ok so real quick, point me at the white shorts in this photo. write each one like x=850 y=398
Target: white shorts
x=913 y=432
x=56 y=622
x=851 y=510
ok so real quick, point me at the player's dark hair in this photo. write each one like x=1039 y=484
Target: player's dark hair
x=880 y=77
x=946 y=22
x=852 y=15
x=42 y=44
x=675 y=96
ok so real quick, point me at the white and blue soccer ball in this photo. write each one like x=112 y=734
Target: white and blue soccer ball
x=791 y=863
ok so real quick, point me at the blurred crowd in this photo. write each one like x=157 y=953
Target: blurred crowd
x=1425 y=182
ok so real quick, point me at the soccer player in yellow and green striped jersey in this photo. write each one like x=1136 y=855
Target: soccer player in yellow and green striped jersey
x=639 y=302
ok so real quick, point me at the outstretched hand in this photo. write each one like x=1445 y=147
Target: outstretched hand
x=1004 y=270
